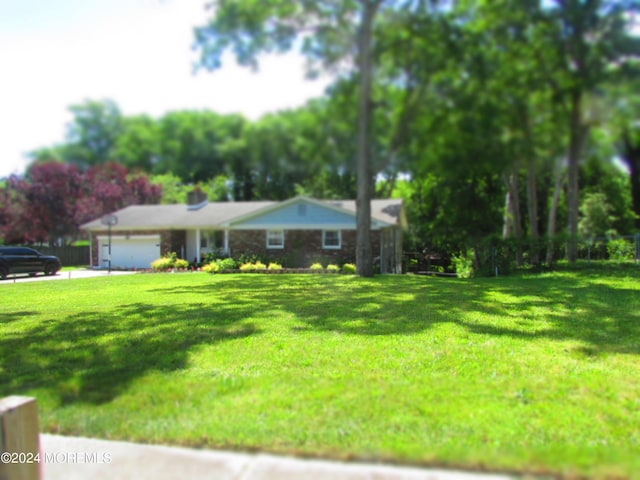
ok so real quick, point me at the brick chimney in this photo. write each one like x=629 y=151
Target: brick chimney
x=197 y=199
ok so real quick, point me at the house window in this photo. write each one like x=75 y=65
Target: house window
x=275 y=238
x=332 y=239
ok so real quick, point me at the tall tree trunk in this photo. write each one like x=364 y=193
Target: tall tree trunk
x=532 y=190
x=364 y=254
x=553 y=214
x=631 y=156
x=576 y=140
x=513 y=221
x=532 y=207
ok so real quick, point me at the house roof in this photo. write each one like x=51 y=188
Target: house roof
x=219 y=214
x=389 y=210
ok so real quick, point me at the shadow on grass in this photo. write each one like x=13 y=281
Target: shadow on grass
x=345 y=304
x=13 y=316
x=589 y=307
x=605 y=317
x=93 y=356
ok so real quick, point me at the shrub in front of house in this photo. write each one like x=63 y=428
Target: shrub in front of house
x=249 y=267
x=349 y=268
x=227 y=264
x=333 y=268
x=169 y=262
x=274 y=266
x=316 y=266
x=220 y=265
x=250 y=258
x=213 y=267
x=181 y=264
x=161 y=264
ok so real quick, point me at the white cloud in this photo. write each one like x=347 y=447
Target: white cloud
x=137 y=53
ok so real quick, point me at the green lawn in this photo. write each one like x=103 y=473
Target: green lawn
x=524 y=373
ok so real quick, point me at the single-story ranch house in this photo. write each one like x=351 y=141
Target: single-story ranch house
x=295 y=232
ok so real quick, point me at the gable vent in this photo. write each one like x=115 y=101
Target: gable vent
x=302 y=209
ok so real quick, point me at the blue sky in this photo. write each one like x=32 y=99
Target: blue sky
x=55 y=53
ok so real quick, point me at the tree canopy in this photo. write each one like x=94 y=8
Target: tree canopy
x=502 y=122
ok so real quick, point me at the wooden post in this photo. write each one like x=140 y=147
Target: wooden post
x=19 y=439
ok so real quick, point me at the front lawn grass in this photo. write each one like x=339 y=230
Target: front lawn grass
x=526 y=373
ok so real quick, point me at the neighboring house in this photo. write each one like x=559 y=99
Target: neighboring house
x=295 y=232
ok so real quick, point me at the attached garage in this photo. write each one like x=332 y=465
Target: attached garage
x=135 y=251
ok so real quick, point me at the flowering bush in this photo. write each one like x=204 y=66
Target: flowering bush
x=274 y=266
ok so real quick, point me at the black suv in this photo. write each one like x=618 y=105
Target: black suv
x=26 y=260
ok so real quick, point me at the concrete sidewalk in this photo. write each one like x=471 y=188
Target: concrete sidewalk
x=73 y=458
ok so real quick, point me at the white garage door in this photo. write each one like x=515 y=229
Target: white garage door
x=133 y=252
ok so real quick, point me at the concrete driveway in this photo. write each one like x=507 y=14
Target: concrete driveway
x=68 y=275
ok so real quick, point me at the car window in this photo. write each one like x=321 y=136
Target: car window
x=22 y=252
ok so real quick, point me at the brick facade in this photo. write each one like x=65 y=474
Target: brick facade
x=174 y=241
x=301 y=247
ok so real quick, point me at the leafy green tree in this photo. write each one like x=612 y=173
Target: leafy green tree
x=508 y=72
x=308 y=150
x=325 y=143
x=630 y=154
x=605 y=180
x=273 y=151
x=597 y=218
x=622 y=130
x=93 y=134
x=48 y=154
x=593 y=46
x=173 y=189
x=332 y=35
x=453 y=128
x=194 y=144
x=139 y=144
